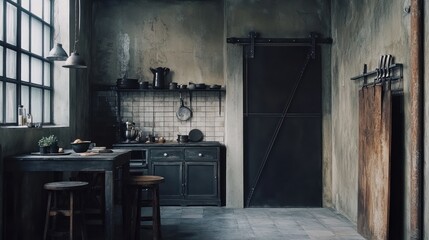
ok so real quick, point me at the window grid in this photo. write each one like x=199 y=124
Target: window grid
x=31 y=84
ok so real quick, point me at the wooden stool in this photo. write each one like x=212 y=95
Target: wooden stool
x=150 y=183
x=75 y=208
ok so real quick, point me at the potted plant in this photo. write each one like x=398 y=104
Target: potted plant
x=48 y=144
x=44 y=144
x=53 y=144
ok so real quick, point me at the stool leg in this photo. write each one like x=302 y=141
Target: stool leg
x=48 y=208
x=138 y=214
x=156 y=214
x=71 y=215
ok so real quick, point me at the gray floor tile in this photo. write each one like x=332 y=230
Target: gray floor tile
x=220 y=223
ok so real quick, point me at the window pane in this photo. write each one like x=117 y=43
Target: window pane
x=46 y=40
x=47 y=76
x=47 y=103
x=1 y=61
x=11 y=105
x=11 y=24
x=36 y=36
x=25 y=31
x=37 y=7
x=1 y=20
x=36 y=104
x=47 y=11
x=13 y=0
x=25 y=67
x=25 y=4
x=25 y=97
x=10 y=63
x=36 y=71
x=1 y=102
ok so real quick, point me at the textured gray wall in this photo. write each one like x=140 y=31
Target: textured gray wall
x=131 y=36
x=362 y=32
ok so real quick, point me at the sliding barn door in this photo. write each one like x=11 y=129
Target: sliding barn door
x=282 y=128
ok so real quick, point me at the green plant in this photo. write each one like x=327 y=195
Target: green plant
x=48 y=141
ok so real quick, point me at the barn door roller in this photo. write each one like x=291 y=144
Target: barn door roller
x=254 y=40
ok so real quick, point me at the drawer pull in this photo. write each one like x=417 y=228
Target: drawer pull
x=165 y=154
x=200 y=154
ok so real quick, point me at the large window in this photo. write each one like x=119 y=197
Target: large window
x=25 y=73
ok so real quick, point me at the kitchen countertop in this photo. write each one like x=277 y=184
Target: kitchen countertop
x=169 y=144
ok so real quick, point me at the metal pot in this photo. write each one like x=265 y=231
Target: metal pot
x=182 y=138
x=130 y=134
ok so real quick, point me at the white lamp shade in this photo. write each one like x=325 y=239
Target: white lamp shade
x=57 y=53
x=75 y=61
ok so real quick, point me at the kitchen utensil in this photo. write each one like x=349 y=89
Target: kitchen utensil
x=191 y=85
x=159 y=75
x=144 y=85
x=379 y=70
x=215 y=86
x=183 y=113
x=195 y=135
x=130 y=134
x=127 y=83
x=173 y=85
x=182 y=138
x=200 y=86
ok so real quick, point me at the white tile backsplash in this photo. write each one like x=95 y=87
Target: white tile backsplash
x=155 y=112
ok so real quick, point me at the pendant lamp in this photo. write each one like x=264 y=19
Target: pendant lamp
x=57 y=53
x=75 y=60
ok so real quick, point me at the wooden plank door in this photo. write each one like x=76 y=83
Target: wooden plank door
x=282 y=128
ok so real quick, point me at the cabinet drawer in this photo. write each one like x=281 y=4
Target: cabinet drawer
x=166 y=154
x=201 y=154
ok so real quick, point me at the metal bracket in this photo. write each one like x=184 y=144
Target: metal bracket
x=251 y=49
x=313 y=37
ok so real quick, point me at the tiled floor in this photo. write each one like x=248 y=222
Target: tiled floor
x=209 y=223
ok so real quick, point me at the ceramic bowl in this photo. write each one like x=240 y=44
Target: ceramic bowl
x=81 y=146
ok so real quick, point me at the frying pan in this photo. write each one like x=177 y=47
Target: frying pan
x=183 y=113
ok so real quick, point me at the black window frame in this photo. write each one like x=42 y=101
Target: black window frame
x=19 y=51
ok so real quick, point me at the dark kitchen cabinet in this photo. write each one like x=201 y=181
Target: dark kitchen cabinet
x=192 y=174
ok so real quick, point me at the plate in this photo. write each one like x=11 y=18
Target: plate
x=50 y=154
x=195 y=135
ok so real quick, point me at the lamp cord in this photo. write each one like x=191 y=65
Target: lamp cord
x=76 y=23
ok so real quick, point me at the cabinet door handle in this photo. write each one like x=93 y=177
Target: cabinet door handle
x=200 y=154
x=165 y=154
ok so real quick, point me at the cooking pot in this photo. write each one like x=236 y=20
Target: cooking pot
x=182 y=138
x=127 y=83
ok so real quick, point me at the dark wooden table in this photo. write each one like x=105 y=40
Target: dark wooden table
x=108 y=163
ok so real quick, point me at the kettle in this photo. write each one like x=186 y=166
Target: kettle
x=159 y=74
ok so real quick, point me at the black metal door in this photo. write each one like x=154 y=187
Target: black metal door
x=282 y=127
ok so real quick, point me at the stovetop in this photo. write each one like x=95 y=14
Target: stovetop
x=166 y=144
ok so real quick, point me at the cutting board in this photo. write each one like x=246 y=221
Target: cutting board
x=375 y=126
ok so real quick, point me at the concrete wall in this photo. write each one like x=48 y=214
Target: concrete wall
x=131 y=36
x=362 y=32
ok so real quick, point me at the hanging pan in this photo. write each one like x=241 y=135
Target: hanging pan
x=183 y=113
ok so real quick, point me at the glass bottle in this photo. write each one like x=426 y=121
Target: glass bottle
x=21 y=115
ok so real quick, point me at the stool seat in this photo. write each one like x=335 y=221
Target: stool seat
x=151 y=184
x=65 y=185
x=145 y=180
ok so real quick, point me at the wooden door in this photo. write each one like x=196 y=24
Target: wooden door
x=282 y=128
